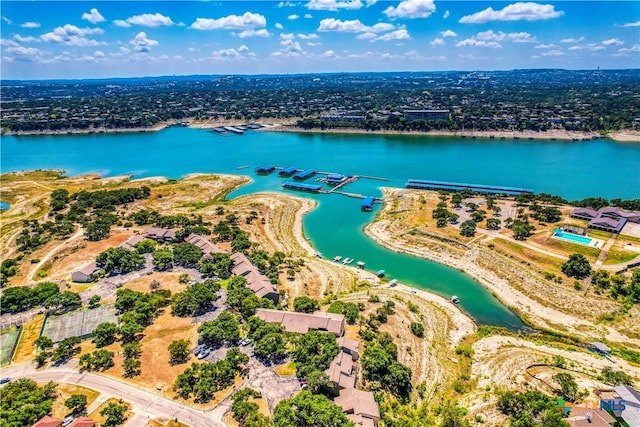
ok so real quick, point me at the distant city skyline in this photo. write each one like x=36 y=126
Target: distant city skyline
x=79 y=39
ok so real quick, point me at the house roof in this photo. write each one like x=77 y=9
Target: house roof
x=159 y=233
x=256 y=281
x=88 y=269
x=619 y=212
x=583 y=417
x=585 y=212
x=48 y=421
x=203 y=243
x=83 y=422
x=131 y=242
x=303 y=322
x=342 y=370
x=361 y=421
x=629 y=394
x=347 y=343
x=358 y=402
x=603 y=221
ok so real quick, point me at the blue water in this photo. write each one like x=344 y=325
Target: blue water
x=572 y=237
x=4 y=206
x=335 y=228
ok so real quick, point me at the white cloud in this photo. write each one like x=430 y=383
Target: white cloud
x=8 y=42
x=312 y=44
x=545 y=46
x=121 y=23
x=232 y=22
x=334 y=5
x=401 y=34
x=328 y=54
x=147 y=20
x=528 y=11
x=411 y=9
x=572 y=40
x=290 y=47
x=308 y=16
x=243 y=48
x=521 y=37
x=611 y=42
x=293 y=17
x=366 y=36
x=626 y=51
x=286 y=4
x=7 y=20
x=436 y=42
x=631 y=24
x=448 y=33
x=279 y=26
x=99 y=54
x=28 y=39
x=226 y=54
x=478 y=43
x=71 y=35
x=352 y=26
x=555 y=52
x=93 y=16
x=254 y=33
x=287 y=36
x=310 y=36
x=446 y=14
x=370 y=3
x=141 y=43
x=22 y=54
x=31 y=25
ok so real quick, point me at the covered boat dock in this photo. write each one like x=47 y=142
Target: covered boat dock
x=456 y=186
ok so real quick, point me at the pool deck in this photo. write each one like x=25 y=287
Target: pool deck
x=594 y=243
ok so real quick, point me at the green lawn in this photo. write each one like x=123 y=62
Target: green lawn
x=618 y=255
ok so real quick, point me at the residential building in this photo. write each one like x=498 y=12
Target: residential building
x=83 y=422
x=86 y=273
x=160 y=234
x=611 y=219
x=360 y=407
x=426 y=114
x=204 y=244
x=304 y=322
x=256 y=281
x=631 y=398
x=131 y=242
x=589 y=417
x=48 y=421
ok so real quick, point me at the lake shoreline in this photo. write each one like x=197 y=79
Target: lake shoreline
x=288 y=125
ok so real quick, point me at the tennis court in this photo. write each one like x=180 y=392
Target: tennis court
x=79 y=323
x=8 y=340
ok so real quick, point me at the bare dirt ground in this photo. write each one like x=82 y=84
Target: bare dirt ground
x=518 y=286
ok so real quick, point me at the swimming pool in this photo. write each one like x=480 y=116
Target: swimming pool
x=575 y=238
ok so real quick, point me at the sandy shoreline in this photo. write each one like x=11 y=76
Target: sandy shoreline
x=288 y=125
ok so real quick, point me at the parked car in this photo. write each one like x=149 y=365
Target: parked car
x=245 y=341
x=68 y=420
x=204 y=353
x=5 y=380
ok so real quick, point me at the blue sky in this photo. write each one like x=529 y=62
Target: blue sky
x=78 y=39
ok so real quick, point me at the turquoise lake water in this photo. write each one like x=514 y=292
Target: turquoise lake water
x=571 y=169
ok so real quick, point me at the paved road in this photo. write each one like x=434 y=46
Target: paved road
x=146 y=405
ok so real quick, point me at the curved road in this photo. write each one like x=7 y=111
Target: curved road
x=145 y=404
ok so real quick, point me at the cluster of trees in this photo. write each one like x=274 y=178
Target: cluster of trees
x=45 y=294
x=224 y=329
x=305 y=305
x=202 y=380
x=307 y=409
x=350 y=310
x=609 y=376
x=600 y=202
x=24 y=402
x=246 y=412
x=8 y=268
x=243 y=300
x=313 y=351
x=269 y=264
x=119 y=260
x=530 y=408
x=35 y=234
x=228 y=231
x=195 y=299
x=269 y=340
x=98 y=360
x=179 y=351
x=618 y=285
x=137 y=312
x=114 y=413
x=190 y=224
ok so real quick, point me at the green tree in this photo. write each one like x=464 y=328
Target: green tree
x=306 y=410
x=577 y=266
x=163 y=259
x=179 y=351
x=610 y=376
x=187 y=254
x=305 y=305
x=115 y=414
x=105 y=334
x=119 y=260
x=223 y=329
x=130 y=332
x=97 y=230
x=468 y=228
x=43 y=342
x=67 y=348
x=493 y=224
x=270 y=346
x=131 y=367
x=314 y=351
x=417 y=329
x=94 y=301
x=63 y=302
x=76 y=403
x=452 y=416
x=568 y=385
x=145 y=246
x=196 y=299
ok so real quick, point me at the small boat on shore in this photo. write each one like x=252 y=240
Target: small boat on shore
x=360 y=264
x=380 y=273
x=455 y=299
x=319 y=255
x=337 y=258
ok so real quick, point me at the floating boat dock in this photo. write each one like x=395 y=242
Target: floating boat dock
x=265 y=169
x=288 y=171
x=367 y=204
x=307 y=173
x=456 y=186
x=314 y=188
x=233 y=129
x=219 y=130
